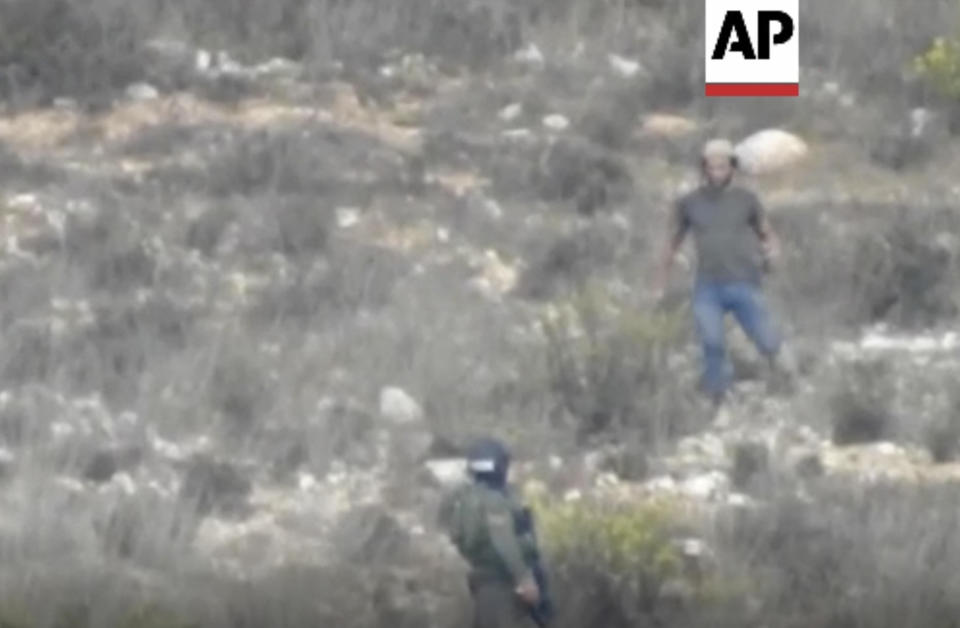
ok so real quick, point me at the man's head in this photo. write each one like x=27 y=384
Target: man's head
x=719 y=161
x=488 y=461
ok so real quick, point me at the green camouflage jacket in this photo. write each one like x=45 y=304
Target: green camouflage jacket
x=481 y=523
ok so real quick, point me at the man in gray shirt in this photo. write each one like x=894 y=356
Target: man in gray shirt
x=734 y=243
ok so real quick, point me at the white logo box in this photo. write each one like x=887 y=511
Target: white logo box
x=754 y=29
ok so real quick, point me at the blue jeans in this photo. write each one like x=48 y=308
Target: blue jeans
x=711 y=303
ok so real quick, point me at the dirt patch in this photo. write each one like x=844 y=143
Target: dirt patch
x=48 y=129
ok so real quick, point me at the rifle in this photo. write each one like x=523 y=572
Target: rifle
x=542 y=612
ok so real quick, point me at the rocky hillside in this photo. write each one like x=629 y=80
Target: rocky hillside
x=253 y=310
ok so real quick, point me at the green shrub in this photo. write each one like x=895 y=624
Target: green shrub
x=608 y=562
x=939 y=66
x=632 y=540
x=619 y=565
x=608 y=365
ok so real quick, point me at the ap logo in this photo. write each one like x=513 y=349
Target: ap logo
x=752 y=47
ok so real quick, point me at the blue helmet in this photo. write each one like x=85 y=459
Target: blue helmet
x=488 y=461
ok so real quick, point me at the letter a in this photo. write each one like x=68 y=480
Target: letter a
x=733 y=21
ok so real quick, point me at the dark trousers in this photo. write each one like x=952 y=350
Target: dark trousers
x=496 y=605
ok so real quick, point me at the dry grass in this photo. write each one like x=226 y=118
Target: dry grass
x=259 y=306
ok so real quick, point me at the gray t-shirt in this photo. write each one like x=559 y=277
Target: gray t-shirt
x=724 y=223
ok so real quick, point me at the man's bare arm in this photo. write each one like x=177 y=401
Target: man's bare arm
x=768 y=237
x=675 y=237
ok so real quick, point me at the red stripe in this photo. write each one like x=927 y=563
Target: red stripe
x=752 y=89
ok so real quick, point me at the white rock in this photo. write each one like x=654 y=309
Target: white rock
x=627 y=68
x=694 y=547
x=123 y=483
x=397 y=406
x=724 y=418
x=556 y=122
x=228 y=64
x=947 y=241
x=878 y=340
x=531 y=55
x=607 y=480
x=72 y=485
x=347 y=217
x=278 y=66
x=665 y=484
x=142 y=92
x=62 y=430
x=67 y=104
x=511 y=112
x=707 y=486
x=770 y=150
x=921 y=121
x=448 y=472
x=306 y=481
x=203 y=60
x=888 y=449
x=23 y=201
x=518 y=134
x=739 y=500
x=493 y=209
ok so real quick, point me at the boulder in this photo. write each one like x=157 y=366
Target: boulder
x=770 y=150
x=142 y=92
x=398 y=407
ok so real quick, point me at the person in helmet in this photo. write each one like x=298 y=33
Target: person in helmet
x=481 y=518
x=735 y=245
